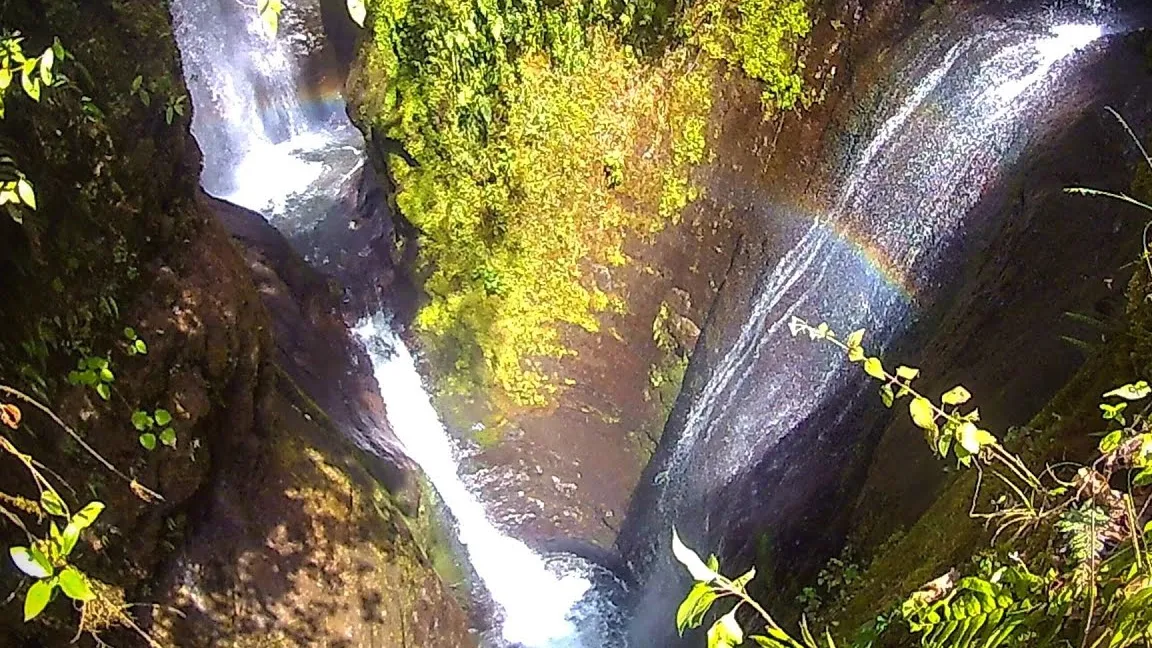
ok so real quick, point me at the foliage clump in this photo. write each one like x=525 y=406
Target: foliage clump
x=536 y=137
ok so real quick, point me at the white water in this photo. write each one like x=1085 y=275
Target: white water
x=924 y=206
x=266 y=151
x=540 y=605
x=260 y=143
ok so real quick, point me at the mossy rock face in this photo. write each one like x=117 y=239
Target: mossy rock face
x=121 y=239
x=112 y=177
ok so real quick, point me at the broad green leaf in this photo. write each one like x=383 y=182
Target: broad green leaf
x=148 y=440
x=141 y=421
x=163 y=417
x=1132 y=391
x=106 y=375
x=358 y=11
x=129 y=332
x=30 y=562
x=855 y=338
x=88 y=515
x=922 y=413
x=46 y=61
x=104 y=391
x=700 y=572
x=31 y=86
x=140 y=347
x=855 y=354
x=874 y=368
x=956 y=396
x=69 y=538
x=726 y=632
x=75 y=585
x=168 y=437
x=27 y=195
x=887 y=396
x=1143 y=478
x=5 y=78
x=691 y=612
x=967 y=435
x=37 y=598
x=137 y=82
x=1111 y=441
x=907 y=373
x=52 y=504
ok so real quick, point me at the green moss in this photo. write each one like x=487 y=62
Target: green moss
x=542 y=140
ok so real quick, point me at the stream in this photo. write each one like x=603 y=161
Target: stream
x=283 y=146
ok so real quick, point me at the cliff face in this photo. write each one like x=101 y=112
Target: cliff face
x=272 y=530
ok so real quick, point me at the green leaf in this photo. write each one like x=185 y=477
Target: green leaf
x=75 y=585
x=1132 y=391
x=967 y=435
x=691 y=612
x=31 y=86
x=140 y=347
x=907 y=373
x=52 y=504
x=874 y=368
x=137 y=82
x=46 y=61
x=855 y=338
x=87 y=515
x=129 y=332
x=358 y=11
x=37 y=598
x=956 y=396
x=1143 y=478
x=5 y=78
x=887 y=396
x=726 y=632
x=855 y=354
x=923 y=415
x=148 y=440
x=104 y=391
x=69 y=538
x=27 y=195
x=31 y=562
x=106 y=375
x=1111 y=441
x=163 y=417
x=168 y=437
x=700 y=572
x=141 y=421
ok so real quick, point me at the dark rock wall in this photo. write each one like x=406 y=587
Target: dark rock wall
x=267 y=511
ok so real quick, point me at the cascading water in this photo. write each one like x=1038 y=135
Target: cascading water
x=545 y=604
x=262 y=145
x=724 y=473
x=264 y=149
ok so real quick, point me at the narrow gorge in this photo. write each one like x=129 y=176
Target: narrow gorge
x=454 y=323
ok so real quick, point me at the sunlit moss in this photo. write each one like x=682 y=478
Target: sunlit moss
x=543 y=140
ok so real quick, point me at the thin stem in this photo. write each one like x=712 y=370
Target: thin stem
x=84 y=444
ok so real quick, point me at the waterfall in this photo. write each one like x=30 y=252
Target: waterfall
x=910 y=203
x=261 y=141
x=266 y=150
x=760 y=419
x=544 y=605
